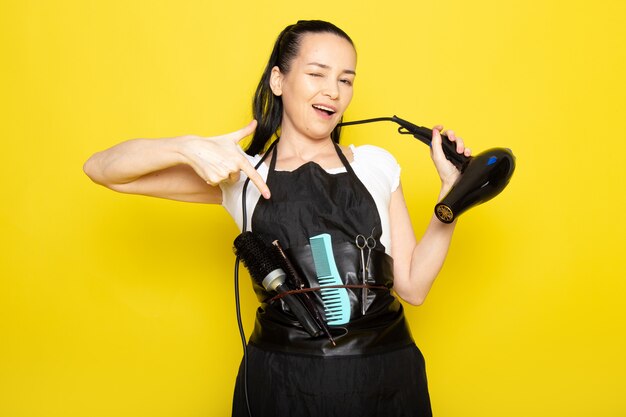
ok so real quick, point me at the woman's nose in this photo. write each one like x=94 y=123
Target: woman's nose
x=332 y=91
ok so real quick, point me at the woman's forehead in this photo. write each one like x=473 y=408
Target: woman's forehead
x=327 y=49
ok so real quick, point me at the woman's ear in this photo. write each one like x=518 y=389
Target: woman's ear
x=276 y=81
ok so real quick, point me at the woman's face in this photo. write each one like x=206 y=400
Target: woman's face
x=318 y=87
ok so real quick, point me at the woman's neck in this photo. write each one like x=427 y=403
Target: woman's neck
x=293 y=153
x=304 y=149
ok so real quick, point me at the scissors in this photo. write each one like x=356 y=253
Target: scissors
x=362 y=242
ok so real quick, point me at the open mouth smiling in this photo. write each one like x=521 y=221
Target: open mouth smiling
x=329 y=111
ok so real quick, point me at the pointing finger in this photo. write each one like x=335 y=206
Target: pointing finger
x=256 y=178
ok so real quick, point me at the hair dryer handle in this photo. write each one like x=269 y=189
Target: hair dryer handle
x=425 y=135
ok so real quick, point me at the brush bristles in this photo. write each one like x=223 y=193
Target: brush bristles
x=259 y=258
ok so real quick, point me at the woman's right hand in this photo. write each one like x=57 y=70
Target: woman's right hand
x=220 y=159
x=183 y=168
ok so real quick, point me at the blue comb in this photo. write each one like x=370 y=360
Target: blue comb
x=336 y=301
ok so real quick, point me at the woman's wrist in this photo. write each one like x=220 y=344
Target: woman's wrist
x=445 y=189
x=178 y=147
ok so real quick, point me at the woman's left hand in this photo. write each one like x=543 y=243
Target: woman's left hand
x=448 y=173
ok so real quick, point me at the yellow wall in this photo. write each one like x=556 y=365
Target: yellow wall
x=116 y=305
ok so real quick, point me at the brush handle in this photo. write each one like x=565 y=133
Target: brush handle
x=306 y=300
x=299 y=310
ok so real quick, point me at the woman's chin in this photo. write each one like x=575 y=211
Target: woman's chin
x=320 y=135
x=322 y=131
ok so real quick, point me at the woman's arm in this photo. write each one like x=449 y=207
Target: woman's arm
x=417 y=264
x=185 y=168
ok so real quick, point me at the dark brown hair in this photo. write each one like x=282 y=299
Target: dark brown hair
x=268 y=108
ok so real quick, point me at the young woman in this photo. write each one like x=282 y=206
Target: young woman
x=309 y=185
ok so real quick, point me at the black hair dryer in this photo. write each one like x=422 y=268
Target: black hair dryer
x=483 y=176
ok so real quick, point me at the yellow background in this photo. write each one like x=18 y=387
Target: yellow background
x=117 y=305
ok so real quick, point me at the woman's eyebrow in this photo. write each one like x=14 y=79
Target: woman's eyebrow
x=324 y=66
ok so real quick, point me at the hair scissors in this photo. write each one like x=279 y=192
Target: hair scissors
x=362 y=242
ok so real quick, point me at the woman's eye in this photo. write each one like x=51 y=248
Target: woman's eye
x=347 y=82
x=315 y=75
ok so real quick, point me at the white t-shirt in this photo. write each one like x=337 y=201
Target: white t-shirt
x=377 y=169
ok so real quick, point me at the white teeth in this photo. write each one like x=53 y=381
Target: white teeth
x=317 y=106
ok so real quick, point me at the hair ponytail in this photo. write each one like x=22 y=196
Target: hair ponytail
x=267 y=108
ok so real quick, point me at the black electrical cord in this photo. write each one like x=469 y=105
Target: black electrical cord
x=244 y=228
x=242 y=334
x=375 y=119
x=406 y=128
x=424 y=135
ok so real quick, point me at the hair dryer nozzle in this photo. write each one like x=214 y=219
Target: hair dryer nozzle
x=485 y=176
